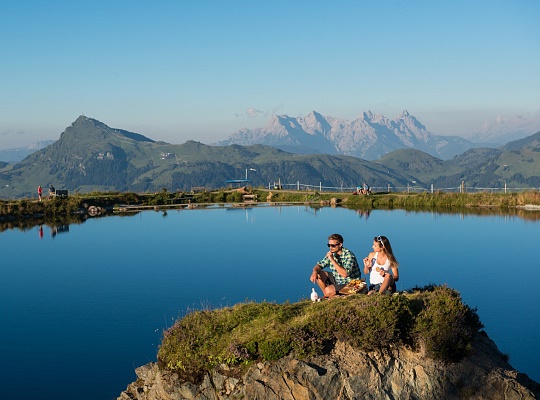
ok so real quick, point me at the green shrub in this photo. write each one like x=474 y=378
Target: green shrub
x=274 y=349
x=203 y=339
x=366 y=322
x=219 y=197
x=234 y=197
x=446 y=326
x=305 y=342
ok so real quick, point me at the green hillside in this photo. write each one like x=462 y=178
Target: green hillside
x=421 y=167
x=516 y=164
x=90 y=156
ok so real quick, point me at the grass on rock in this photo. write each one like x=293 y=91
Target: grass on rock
x=433 y=317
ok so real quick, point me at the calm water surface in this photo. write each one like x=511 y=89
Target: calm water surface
x=83 y=308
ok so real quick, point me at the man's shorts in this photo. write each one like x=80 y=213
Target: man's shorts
x=331 y=280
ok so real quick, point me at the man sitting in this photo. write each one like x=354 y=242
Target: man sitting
x=342 y=264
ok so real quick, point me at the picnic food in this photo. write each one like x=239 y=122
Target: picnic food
x=354 y=286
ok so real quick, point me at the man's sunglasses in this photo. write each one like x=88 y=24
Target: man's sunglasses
x=333 y=245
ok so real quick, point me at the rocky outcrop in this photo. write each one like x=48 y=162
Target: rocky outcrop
x=345 y=373
x=370 y=136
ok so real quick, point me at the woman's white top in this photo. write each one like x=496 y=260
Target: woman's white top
x=374 y=275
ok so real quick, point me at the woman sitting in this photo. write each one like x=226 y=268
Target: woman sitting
x=381 y=266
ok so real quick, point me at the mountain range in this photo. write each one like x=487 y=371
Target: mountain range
x=369 y=137
x=502 y=129
x=91 y=156
x=19 y=153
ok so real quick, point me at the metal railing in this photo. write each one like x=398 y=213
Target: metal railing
x=400 y=189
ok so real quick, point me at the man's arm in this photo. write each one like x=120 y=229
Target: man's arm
x=348 y=260
x=314 y=275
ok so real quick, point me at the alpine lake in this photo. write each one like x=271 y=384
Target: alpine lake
x=84 y=304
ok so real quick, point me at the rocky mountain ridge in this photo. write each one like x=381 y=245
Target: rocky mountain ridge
x=346 y=374
x=493 y=133
x=369 y=137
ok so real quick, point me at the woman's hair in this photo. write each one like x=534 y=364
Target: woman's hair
x=385 y=243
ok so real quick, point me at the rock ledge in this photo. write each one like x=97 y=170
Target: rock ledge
x=346 y=374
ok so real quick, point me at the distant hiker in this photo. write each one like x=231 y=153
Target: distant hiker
x=39 y=192
x=381 y=266
x=366 y=189
x=52 y=191
x=342 y=264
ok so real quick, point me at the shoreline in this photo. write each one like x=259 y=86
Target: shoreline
x=103 y=204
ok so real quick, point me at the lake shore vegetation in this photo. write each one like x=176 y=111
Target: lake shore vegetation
x=79 y=204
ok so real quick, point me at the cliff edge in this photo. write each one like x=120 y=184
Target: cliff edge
x=346 y=373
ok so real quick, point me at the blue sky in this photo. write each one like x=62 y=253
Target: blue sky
x=201 y=70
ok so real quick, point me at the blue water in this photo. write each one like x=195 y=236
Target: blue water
x=82 y=309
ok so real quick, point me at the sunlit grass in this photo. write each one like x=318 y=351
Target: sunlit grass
x=431 y=318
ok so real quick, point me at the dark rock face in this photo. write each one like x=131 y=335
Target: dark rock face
x=347 y=374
